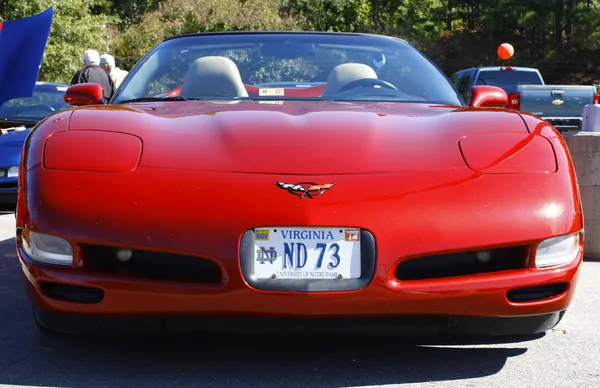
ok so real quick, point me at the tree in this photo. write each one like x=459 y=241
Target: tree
x=74 y=29
x=177 y=17
x=131 y=11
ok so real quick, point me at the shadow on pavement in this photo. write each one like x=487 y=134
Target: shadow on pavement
x=31 y=357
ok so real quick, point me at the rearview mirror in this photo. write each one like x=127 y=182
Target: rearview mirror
x=84 y=94
x=485 y=96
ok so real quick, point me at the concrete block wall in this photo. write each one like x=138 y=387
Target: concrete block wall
x=585 y=151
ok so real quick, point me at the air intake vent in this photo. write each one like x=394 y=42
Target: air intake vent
x=531 y=294
x=151 y=265
x=462 y=264
x=71 y=293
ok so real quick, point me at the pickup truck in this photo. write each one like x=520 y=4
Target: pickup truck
x=560 y=105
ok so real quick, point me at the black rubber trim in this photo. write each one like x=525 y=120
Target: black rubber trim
x=412 y=327
x=531 y=294
x=368 y=265
x=155 y=265
x=399 y=325
x=461 y=264
x=72 y=293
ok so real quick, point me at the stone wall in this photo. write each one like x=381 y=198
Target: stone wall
x=585 y=151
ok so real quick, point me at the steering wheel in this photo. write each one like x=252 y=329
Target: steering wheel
x=364 y=82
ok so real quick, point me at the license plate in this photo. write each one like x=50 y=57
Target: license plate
x=307 y=253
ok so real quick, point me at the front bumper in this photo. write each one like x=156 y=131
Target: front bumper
x=566 y=125
x=402 y=211
x=483 y=295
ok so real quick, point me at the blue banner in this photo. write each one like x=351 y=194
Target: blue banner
x=22 y=46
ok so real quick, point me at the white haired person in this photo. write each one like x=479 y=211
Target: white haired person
x=93 y=73
x=107 y=61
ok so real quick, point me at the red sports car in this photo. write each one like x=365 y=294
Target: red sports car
x=297 y=180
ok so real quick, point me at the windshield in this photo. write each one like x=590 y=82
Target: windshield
x=46 y=99
x=508 y=77
x=281 y=66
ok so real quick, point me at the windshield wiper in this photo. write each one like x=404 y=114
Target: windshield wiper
x=150 y=99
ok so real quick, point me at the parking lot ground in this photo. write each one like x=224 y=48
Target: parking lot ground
x=568 y=356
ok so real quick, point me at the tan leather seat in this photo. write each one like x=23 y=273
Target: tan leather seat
x=345 y=73
x=213 y=76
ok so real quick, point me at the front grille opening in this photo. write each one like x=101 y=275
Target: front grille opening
x=71 y=293
x=8 y=185
x=532 y=294
x=462 y=264
x=151 y=265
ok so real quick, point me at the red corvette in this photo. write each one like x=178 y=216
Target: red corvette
x=297 y=180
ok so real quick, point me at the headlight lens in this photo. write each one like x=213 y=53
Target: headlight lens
x=47 y=249
x=13 y=171
x=558 y=250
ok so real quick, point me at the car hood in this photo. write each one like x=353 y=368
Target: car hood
x=298 y=137
x=16 y=138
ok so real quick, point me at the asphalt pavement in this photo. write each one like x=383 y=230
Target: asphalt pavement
x=568 y=356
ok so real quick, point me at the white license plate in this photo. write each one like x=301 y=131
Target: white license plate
x=307 y=253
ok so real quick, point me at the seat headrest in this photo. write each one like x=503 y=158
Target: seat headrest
x=345 y=73
x=213 y=76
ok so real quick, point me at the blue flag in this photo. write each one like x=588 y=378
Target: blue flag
x=22 y=46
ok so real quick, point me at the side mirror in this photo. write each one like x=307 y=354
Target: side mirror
x=483 y=96
x=84 y=94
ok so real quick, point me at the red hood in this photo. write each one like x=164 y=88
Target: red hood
x=298 y=137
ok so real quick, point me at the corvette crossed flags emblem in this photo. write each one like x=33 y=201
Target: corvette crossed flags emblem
x=305 y=189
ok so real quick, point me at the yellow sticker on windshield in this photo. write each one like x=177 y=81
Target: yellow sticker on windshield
x=271 y=92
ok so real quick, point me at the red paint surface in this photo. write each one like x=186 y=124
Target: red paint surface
x=488 y=96
x=508 y=153
x=208 y=172
x=84 y=94
x=302 y=138
x=92 y=151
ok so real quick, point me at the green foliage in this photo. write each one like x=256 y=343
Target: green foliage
x=332 y=15
x=184 y=16
x=131 y=11
x=415 y=20
x=74 y=30
x=177 y=17
x=137 y=39
x=560 y=37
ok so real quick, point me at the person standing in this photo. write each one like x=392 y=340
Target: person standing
x=92 y=72
x=107 y=61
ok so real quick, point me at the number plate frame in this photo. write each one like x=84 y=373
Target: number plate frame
x=368 y=265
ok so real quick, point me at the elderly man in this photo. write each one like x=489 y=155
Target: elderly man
x=93 y=73
x=107 y=61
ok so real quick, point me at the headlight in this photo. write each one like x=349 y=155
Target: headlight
x=558 y=250
x=13 y=171
x=47 y=249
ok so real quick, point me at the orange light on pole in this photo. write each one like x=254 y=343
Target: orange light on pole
x=506 y=51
